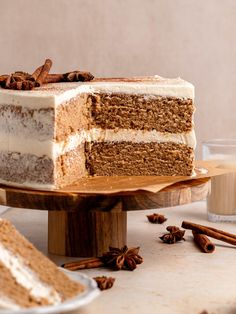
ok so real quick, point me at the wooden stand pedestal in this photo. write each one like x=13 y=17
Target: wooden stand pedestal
x=86 y=225
x=84 y=233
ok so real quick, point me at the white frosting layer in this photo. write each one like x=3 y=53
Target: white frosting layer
x=52 y=95
x=30 y=184
x=123 y=135
x=25 y=277
x=54 y=149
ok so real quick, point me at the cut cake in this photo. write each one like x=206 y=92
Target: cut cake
x=57 y=133
x=27 y=277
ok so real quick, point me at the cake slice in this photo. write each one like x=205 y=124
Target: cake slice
x=27 y=277
x=57 y=133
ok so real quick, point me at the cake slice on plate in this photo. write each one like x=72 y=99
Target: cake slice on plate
x=27 y=277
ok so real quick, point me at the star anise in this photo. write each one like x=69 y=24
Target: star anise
x=77 y=76
x=123 y=258
x=156 y=218
x=115 y=258
x=175 y=234
x=104 y=282
x=18 y=80
x=3 y=79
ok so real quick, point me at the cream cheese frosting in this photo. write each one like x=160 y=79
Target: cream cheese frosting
x=31 y=184
x=54 y=94
x=27 y=278
x=13 y=143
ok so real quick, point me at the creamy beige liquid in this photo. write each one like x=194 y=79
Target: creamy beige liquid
x=222 y=199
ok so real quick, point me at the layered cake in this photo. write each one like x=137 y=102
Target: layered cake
x=55 y=134
x=27 y=277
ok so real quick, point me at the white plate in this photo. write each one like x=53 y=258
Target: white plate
x=90 y=293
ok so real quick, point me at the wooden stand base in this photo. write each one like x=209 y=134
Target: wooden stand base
x=85 y=233
x=86 y=224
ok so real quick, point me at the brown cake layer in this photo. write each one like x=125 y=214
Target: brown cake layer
x=98 y=158
x=125 y=111
x=71 y=117
x=141 y=112
x=135 y=159
x=16 y=293
x=18 y=168
x=107 y=111
x=70 y=166
x=40 y=264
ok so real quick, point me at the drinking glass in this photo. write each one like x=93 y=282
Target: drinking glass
x=221 y=202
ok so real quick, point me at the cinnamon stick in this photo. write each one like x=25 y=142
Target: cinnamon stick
x=231 y=235
x=203 y=242
x=43 y=73
x=216 y=234
x=36 y=73
x=93 y=262
x=8 y=81
x=24 y=81
x=75 y=76
x=54 y=78
x=3 y=77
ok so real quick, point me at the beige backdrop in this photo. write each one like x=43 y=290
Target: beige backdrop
x=194 y=39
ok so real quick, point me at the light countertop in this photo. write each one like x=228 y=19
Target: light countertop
x=174 y=279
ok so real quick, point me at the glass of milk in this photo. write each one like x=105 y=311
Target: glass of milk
x=221 y=202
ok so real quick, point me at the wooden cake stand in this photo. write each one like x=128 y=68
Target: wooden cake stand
x=86 y=225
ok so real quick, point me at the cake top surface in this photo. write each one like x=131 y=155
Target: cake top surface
x=57 y=93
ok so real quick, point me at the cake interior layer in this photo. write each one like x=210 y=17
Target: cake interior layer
x=124 y=158
x=70 y=166
x=104 y=111
x=141 y=112
x=71 y=117
x=45 y=271
x=13 y=295
x=135 y=159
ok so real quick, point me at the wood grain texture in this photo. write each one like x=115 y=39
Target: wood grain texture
x=176 y=194
x=3 y=197
x=86 y=225
x=86 y=233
